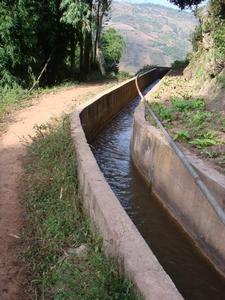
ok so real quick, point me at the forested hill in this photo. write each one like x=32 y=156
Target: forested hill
x=153 y=34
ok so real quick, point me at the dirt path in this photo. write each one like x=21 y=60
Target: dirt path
x=12 y=153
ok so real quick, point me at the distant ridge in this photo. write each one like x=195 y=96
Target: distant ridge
x=165 y=3
x=154 y=34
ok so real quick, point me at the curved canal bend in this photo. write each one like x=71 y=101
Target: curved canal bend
x=194 y=277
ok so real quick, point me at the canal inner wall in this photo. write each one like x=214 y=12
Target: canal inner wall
x=174 y=186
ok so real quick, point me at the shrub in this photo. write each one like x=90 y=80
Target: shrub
x=179 y=64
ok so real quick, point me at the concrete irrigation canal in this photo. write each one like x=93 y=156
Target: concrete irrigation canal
x=194 y=277
x=156 y=253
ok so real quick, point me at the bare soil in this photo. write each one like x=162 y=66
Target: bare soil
x=12 y=154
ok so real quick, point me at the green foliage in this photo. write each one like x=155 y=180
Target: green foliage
x=163 y=112
x=10 y=97
x=206 y=139
x=185 y=3
x=182 y=135
x=43 y=37
x=145 y=69
x=122 y=75
x=181 y=104
x=30 y=33
x=219 y=38
x=57 y=227
x=200 y=117
x=113 y=46
x=221 y=79
x=196 y=37
x=76 y=13
x=179 y=64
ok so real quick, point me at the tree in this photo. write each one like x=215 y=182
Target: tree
x=77 y=14
x=39 y=39
x=113 y=46
x=186 y=3
x=101 y=8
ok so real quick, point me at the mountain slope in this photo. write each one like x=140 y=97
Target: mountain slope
x=153 y=34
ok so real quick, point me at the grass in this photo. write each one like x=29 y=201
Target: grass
x=56 y=227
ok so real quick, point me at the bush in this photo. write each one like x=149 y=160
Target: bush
x=112 y=46
x=179 y=64
x=196 y=37
x=145 y=69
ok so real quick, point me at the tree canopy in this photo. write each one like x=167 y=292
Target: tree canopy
x=56 y=38
x=112 y=46
x=186 y=3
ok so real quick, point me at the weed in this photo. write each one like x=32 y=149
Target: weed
x=163 y=112
x=199 y=117
x=177 y=64
x=206 y=139
x=222 y=122
x=198 y=103
x=182 y=135
x=184 y=105
x=10 y=97
x=181 y=104
x=56 y=224
x=210 y=154
x=221 y=80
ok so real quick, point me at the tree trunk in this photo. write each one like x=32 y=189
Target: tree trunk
x=87 y=53
x=99 y=53
x=97 y=34
x=88 y=44
x=101 y=61
x=72 y=55
x=81 y=58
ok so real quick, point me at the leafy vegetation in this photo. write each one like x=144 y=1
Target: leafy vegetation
x=189 y=122
x=186 y=3
x=112 y=46
x=56 y=229
x=190 y=99
x=44 y=43
x=146 y=68
x=179 y=64
x=208 y=58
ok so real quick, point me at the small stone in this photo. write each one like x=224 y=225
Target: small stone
x=80 y=251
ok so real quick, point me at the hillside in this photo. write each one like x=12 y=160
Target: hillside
x=154 y=34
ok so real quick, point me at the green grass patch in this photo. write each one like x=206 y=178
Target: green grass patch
x=56 y=227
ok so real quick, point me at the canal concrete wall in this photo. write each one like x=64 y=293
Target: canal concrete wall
x=176 y=189
x=121 y=239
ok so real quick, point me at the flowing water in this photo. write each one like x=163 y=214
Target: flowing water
x=194 y=277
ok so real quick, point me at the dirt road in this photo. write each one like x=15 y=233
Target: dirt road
x=12 y=153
